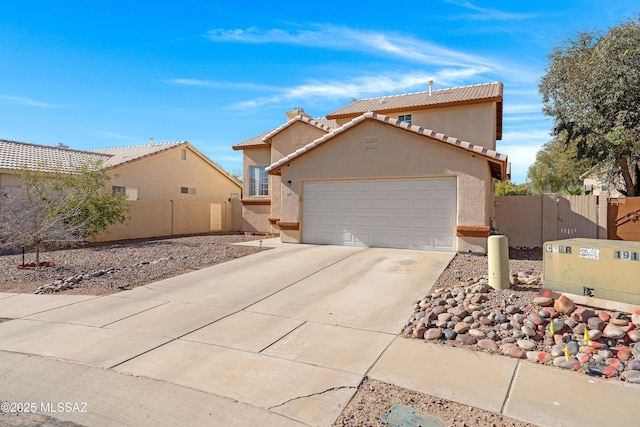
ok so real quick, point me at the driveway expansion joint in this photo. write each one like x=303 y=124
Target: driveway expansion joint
x=510 y=388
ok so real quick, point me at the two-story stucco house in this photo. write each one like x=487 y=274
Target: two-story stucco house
x=405 y=171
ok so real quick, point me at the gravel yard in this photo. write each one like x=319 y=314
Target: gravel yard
x=132 y=263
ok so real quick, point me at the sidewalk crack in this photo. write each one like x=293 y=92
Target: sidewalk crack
x=314 y=394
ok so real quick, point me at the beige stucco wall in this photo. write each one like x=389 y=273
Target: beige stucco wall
x=373 y=150
x=156 y=218
x=475 y=123
x=255 y=218
x=284 y=143
x=292 y=138
x=9 y=180
x=160 y=177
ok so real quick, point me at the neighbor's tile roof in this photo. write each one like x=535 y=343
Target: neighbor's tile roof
x=121 y=155
x=22 y=155
x=261 y=140
x=417 y=100
x=498 y=162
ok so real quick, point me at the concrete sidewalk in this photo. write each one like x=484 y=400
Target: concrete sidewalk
x=279 y=338
x=541 y=395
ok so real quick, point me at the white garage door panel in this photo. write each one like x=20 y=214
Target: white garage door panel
x=400 y=213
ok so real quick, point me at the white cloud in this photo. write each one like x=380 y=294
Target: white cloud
x=219 y=84
x=111 y=135
x=523 y=108
x=529 y=137
x=26 y=101
x=521 y=156
x=522 y=146
x=344 y=38
x=484 y=14
x=527 y=118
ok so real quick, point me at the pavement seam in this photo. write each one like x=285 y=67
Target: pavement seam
x=282 y=337
x=135 y=314
x=366 y=374
x=140 y=354
x=60 y=306
x=511 y=383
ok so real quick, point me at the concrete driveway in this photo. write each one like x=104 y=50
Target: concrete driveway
x=282 y=337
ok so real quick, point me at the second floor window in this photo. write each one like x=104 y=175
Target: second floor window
x=405 y=118
x=258 y=181
x=131 y=193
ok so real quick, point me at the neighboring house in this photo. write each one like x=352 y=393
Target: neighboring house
x=169 y=171
x=407 y=171
x=166 y=172
x=594 y=183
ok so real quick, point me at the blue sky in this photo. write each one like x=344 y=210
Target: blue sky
x=107 y=74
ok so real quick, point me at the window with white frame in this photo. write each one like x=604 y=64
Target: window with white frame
x=258 y=181
x=405 y=118
x=130 y=193
x=187 y=190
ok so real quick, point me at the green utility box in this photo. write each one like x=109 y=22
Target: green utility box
x=606 y=269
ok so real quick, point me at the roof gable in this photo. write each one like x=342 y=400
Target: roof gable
x=125 y=155
x=122 y=155
x=262 y=140
x=313 y=122
x=497 y=161
x=16 y=155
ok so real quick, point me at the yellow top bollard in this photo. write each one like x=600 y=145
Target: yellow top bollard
x=498 y=254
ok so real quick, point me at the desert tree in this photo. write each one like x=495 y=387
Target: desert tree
x=557 y=168
x=508 y=188
x=591 y=89
x=56 y=207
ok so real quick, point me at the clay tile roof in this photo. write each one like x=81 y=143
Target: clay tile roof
x=261 y=140
x=21 y=155
x=121 y=155
x=498 y=162
x=319 y=123
x=255 y=142
x=419 y=100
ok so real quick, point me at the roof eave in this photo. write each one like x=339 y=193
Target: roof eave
x=249 y=147
x=497 y=99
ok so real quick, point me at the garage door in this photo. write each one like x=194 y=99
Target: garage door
x=396 y=213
